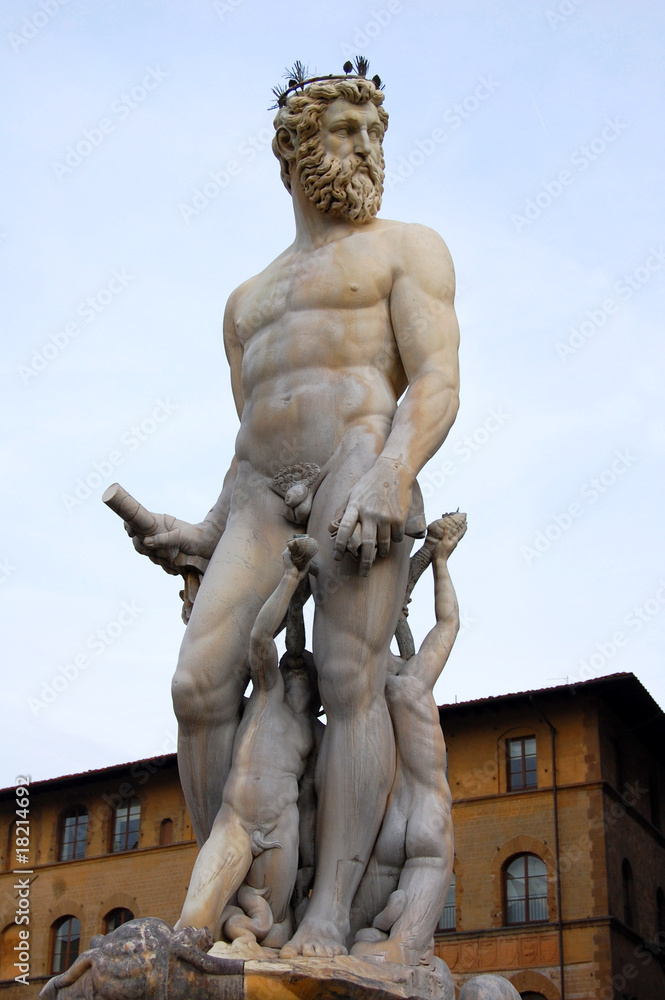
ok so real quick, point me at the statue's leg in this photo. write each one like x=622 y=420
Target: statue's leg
x=277 y=869
x=382 y=873
x=425 y=877
x=220 y=868
x=354 y=620
x=212 y=670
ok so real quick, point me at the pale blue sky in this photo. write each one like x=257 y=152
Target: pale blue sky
x=489 y=103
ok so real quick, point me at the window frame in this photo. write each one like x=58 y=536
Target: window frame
x=120 y=840
x=525 y=786
x=528 y=897
x=67 y=958
x=449 y=906
x=109 y=917
x=78 y=812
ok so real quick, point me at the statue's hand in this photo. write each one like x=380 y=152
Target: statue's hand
x=174 y=544
x=376 y=511
x=446 y=532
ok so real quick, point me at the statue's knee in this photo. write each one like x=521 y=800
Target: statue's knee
x=186 y=695
x=346 y=688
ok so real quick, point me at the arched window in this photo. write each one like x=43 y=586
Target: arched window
x=73 y=834
x=166 y=833
x=628 y=893
x=9 y=939
x=126 y=821
x=448 y=919
x=525 y=890
x=660 y=910
x=116 y=918
x=66 y=939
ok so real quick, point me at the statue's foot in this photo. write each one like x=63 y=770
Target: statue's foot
x=315 y=939
x=389 y=950
x=371 y=934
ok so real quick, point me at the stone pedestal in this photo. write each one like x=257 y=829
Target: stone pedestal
x=146 y=960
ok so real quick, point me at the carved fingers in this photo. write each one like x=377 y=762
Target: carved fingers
x=300 y=551
x=375 y=514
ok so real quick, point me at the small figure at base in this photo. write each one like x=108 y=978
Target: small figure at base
x=408 y=875
x=254 y=839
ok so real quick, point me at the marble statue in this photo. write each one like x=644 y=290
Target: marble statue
x=253 y=846
x=406 y=882
x=316 y=841
x=356 y=315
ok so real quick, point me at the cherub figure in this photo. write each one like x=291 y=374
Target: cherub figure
x=253 y=845
x=406 y=882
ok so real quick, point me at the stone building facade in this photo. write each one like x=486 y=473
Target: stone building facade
x=104 y=846
x=108 y=845
x=601 y=919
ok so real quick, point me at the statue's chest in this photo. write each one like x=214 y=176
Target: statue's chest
x=327 y=280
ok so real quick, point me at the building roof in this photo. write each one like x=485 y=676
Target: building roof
x=622 y=691
x=82 y=777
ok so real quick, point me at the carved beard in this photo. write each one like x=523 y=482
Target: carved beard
x=337 y=186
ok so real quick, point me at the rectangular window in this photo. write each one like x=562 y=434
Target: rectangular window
x=73 y=834
x=521 y=763
x=448 y=919
x=126 y=827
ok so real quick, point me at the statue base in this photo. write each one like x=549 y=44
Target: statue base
x=146 y=959
x=341 y=978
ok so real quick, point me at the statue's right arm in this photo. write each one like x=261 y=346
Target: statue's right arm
x=433 y=654
x=179 y=537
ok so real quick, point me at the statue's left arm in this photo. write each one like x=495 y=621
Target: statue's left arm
x=427 y=337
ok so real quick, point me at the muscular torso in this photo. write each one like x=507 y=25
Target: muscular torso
x=269 y=756
x=319 y=352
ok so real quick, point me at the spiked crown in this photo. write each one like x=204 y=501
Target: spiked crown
x=298 y=78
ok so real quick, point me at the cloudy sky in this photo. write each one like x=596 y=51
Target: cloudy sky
x=141 y=189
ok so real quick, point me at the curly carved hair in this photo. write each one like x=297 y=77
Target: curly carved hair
x=304 y=108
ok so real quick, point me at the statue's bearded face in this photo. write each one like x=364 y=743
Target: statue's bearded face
x=341 y=167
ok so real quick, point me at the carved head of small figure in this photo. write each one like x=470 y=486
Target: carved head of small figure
x=329 y=136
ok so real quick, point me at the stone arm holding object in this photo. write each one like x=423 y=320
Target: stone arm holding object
x=404 y=888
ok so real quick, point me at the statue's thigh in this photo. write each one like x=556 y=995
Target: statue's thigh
x=350 y=609
x=278 y=866
x=244 y=570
